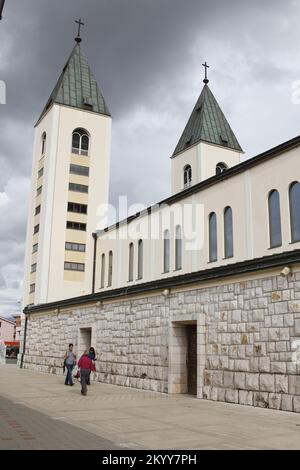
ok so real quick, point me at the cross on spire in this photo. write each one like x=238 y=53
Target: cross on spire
x=206 y=67
x=80 y=23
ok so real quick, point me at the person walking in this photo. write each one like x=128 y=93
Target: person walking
x=92 y=356
x=69 y=362
x=85 y=365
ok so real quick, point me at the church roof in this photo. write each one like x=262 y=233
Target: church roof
x=207 y=123
x=77 y=86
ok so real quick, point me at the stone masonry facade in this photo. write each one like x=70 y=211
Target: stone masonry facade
x=248 y=341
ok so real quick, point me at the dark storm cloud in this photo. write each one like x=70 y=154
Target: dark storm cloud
x=147 y=56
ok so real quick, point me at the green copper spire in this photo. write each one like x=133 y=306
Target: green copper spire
x=77 y=87
x=207 y=123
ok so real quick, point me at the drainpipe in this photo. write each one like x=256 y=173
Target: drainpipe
x=95 y=237
x=24 y=341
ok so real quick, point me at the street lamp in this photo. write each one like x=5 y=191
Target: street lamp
x=1 y=8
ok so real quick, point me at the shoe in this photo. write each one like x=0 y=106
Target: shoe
x=71 y=385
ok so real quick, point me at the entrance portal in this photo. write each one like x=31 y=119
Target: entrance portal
x=192 y=359
x=85 y=340
x=184 y=348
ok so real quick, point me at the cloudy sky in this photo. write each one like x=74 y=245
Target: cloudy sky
x=147 y=56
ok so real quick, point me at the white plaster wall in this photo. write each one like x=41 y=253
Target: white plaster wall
x=203 y=159
x=246 y=193
x=59 y=124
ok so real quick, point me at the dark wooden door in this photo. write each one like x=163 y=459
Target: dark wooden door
x=192 y=359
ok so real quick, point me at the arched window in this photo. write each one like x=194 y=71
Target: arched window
x=178 y=248
x=80 y=142
x=131 y=261
x=110 y=269
x=228 y=232
x=44 y=139
x=294 y=194
x=140 y=260
x=166 y=251
x=274 y=219
x=220 y=168
x=187 y=176
x=102 y=270
x=213 y=237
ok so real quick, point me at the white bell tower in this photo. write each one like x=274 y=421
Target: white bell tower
x=70 y=178
x=207 y=146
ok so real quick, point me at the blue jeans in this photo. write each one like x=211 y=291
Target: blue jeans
x=69 y=380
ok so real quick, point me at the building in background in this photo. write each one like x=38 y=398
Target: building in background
x=7 y=329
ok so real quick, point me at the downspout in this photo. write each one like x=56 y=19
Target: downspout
x=95 y=237
x=24 y=341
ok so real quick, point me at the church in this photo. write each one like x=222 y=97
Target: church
x=198 y=294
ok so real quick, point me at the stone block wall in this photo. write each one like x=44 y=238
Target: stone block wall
x=248 y=341
x=130 y=339
x=253 y=343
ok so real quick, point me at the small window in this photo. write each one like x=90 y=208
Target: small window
x=224 y=139
x=188 y=141
x=220 y=168
x=36 y=229
x=77 y=208
x=32 y=288
x=44 y=139
x=40 y=173
x=79 y=170
x=80 y=142
x=79 y=188
x=35 y=248
x=131 y=262
x=74 y=267
x=37 y=210
x=76 y=226
x=39 y=191
x=178 y=248
x=33 y=268
x=187 y=176
x=75 y=247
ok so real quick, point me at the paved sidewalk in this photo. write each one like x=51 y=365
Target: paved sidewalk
x=147 y=420
x=22 y=428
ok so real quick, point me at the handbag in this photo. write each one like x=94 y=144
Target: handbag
x=77 y=374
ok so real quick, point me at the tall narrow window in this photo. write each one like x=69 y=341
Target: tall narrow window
x=140 y=259
x=166 y=251
x=102 y=270
x=294 y=194
x=44 y=139
x=274 y=219
x=131 y=261
x=228 y=232
x=187 y=176
x=213 y=237
x=178 y=248
x=80 y=142
x=110 y=268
